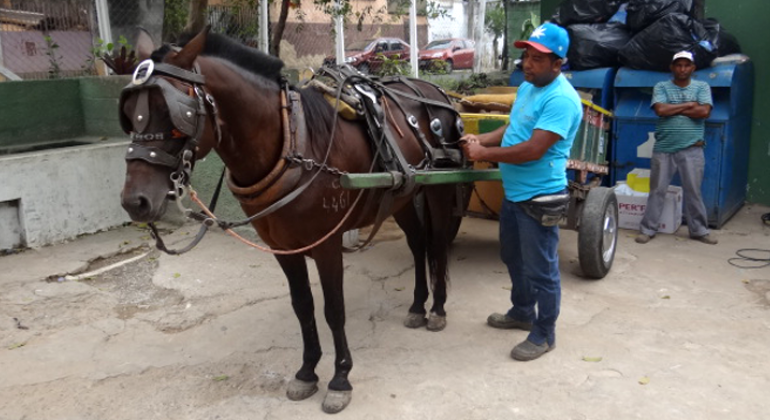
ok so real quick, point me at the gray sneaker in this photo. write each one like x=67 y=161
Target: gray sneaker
x=706 y=239
x=504 y=322
x=527 y=350
x=643 y=239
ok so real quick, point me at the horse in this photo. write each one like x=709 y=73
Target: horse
x=275 y=139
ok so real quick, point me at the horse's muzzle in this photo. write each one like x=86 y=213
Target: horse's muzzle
x=142 y=208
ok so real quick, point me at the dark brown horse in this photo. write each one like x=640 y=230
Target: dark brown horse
x=274 y=139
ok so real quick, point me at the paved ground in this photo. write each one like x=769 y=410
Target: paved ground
x=674 y=332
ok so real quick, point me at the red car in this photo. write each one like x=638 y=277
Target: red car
x=457 y=53
x=367 y=55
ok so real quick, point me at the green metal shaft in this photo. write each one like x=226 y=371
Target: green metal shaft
x=388 y=180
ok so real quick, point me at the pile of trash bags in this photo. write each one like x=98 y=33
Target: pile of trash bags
x=641 y=34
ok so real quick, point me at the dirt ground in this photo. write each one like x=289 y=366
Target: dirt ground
x=673 y=332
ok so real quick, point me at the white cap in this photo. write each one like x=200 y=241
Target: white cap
x=683 y=54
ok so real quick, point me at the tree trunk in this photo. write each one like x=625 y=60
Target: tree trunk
x=196 y=20
x=280 y=26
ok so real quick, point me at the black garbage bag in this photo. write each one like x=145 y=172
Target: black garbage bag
x=585 y=11
x=726 y=42
x=596 y=45
x=643 y=13
x=653 y=48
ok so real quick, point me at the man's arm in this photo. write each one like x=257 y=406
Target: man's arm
x=668 y=110
x=699 y=111
x=492 y=138
x=530 y=150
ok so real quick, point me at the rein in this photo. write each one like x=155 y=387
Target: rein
x=185 y=117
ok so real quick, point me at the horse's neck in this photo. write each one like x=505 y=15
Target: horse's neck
x=251 y=113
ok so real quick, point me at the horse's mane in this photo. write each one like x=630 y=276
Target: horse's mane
x=319 y=114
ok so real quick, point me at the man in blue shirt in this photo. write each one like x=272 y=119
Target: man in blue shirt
x=532 y=151
x=683 y=105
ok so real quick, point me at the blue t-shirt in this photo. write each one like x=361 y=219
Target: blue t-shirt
x=556 y=108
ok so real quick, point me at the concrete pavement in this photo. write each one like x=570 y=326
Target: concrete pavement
x=673 y=332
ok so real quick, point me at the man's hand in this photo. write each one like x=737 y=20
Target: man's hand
x=471 y=147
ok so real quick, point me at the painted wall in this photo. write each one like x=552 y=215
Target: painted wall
x=61 y=193
x=748 y=21
x=52 y=195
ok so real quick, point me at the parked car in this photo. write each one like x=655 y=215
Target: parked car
x=457 y=53
x=367 y=55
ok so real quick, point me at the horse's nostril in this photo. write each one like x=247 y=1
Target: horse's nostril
x=143 y=203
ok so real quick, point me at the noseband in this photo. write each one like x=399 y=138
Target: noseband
x=188 y=116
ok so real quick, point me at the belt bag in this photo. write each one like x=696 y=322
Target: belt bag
x=547 y=209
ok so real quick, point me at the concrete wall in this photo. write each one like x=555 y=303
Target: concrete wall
x=55 y=194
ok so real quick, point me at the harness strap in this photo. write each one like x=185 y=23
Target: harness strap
x=152 y=155
x=179 y=73
x=283 y=177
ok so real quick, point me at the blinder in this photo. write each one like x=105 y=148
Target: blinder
x=187 y=113
x=183 y=109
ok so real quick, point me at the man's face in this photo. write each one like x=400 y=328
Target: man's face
x=539 y=68
x=682 y=69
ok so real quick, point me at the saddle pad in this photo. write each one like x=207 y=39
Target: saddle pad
x=346 y=111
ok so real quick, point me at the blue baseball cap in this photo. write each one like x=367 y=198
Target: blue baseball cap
x=547 y=38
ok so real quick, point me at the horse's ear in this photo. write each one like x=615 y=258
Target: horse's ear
x=190 y=52
x=144 y=45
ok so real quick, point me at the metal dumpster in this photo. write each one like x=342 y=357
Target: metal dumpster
x=727 y=132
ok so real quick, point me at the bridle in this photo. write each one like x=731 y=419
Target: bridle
x=188 y=115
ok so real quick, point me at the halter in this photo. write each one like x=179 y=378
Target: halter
x=187 y=111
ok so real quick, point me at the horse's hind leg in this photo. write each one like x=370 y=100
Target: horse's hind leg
x=410 y=223
x=305 y=381
x=328 y=259
x=438 y=200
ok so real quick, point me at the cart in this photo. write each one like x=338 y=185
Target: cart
x=593 y=209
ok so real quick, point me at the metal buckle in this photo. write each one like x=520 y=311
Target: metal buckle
x=143 y=72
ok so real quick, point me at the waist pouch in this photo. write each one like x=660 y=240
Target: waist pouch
x=547 y=209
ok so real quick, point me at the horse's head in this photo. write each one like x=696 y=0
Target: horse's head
x=167 y=114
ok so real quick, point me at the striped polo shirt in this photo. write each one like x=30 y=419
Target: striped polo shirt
x=679 y=132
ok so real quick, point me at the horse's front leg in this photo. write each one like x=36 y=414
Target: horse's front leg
x=328 y=259
x=305 y=382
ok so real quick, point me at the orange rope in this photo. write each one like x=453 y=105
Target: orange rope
x=194 y=197
x=392 y=121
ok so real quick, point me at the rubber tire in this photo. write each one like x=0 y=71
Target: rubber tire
x=364 y=68
x=598 y=226
x=454 y=224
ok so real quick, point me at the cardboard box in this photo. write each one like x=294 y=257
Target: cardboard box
x=631 y=209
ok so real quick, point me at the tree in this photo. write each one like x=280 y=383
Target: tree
x=495 y=25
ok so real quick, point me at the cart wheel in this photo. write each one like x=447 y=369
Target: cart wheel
x=457 y=216
x=598 y=232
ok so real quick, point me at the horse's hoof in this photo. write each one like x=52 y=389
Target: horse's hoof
x=414 y=320
x=436 y=322
x=336 y=401
x=300 y=390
